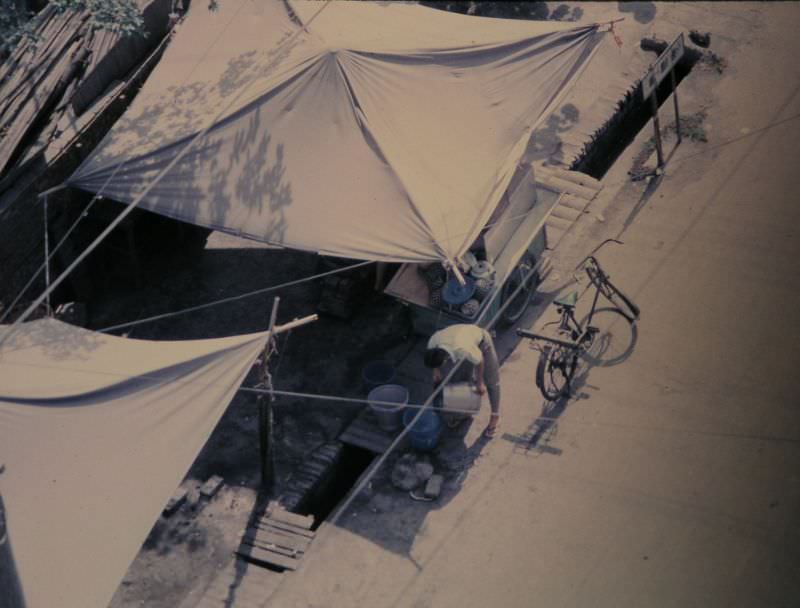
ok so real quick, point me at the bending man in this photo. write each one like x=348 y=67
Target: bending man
x=473 y=343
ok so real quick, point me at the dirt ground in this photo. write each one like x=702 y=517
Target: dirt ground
x=325 y=357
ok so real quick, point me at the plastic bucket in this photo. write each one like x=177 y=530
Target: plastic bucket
x=461 y=398
x=455 y=294
x=389 y=414
x=424 y=433
x=376 y=373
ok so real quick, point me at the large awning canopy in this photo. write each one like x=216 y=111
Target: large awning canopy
x=96 y=433
x=380 y=131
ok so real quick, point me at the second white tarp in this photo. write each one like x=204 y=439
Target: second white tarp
x=96 y=433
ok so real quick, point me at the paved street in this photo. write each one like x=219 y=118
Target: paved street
x=673 y=478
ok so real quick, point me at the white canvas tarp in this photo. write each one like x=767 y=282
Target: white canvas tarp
x=96 y=433
x=382 y=131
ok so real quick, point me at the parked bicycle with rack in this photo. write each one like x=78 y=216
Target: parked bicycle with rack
x=559 y=356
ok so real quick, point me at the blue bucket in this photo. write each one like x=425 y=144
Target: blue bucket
x=376 y=373
x=424 y=433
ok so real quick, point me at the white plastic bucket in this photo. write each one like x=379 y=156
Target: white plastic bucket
x=461 y=398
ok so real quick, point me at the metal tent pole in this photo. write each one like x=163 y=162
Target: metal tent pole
x=47 y=259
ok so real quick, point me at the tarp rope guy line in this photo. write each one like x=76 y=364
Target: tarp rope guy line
x=233 y=298
x=135 y=202
x=48 y=257
x=284 y=285
x=224 y=300
x=333 y=398
x=175 y=313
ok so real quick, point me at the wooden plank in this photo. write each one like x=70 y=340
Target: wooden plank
x=267 y=523
x=22 y=117
x=409 y=286
x=314 y=467
x=563 y=212
x=276 y=512
x=263 y=556
x=366 y=435
x=562 y=185
x=574 y=202
x=576 y=177
x=368 y=441
x=365 y=444
x=367 y=429
x=274 y=548
x=287 y=540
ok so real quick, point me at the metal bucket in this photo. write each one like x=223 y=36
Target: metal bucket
x=461 y=398
x=389 y=414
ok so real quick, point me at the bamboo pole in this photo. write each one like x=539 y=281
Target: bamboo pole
x=265 y=414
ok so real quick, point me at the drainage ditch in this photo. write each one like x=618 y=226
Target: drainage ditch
x=334 y=468
x=631 y=115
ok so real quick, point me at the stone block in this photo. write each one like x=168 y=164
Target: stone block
x=211 y=487
x=175 y=501
x=434 y=486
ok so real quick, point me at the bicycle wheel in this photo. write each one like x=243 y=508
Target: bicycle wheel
x=613 y=340
x=614 y=295
x=555 y=370
x=520 y=303
x=622 y=302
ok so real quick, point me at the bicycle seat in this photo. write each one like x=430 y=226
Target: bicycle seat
x=568 y=300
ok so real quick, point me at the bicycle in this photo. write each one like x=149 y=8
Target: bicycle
x=559 y=357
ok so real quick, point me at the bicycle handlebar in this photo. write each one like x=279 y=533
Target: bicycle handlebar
x=595 y=250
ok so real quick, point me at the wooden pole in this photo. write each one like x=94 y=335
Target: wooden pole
x=279 y=329
x=265 y=414
x=657 y=128
x=457 y=273
x=675 y=99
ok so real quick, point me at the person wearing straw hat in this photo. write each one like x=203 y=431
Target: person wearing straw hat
x=475 y=344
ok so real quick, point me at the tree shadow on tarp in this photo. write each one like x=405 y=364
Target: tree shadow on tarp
x=234 y=176
x=58 y=342
x=176 y=116
x=545 y=143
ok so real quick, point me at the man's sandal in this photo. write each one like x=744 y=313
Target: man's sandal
x=420 y=497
